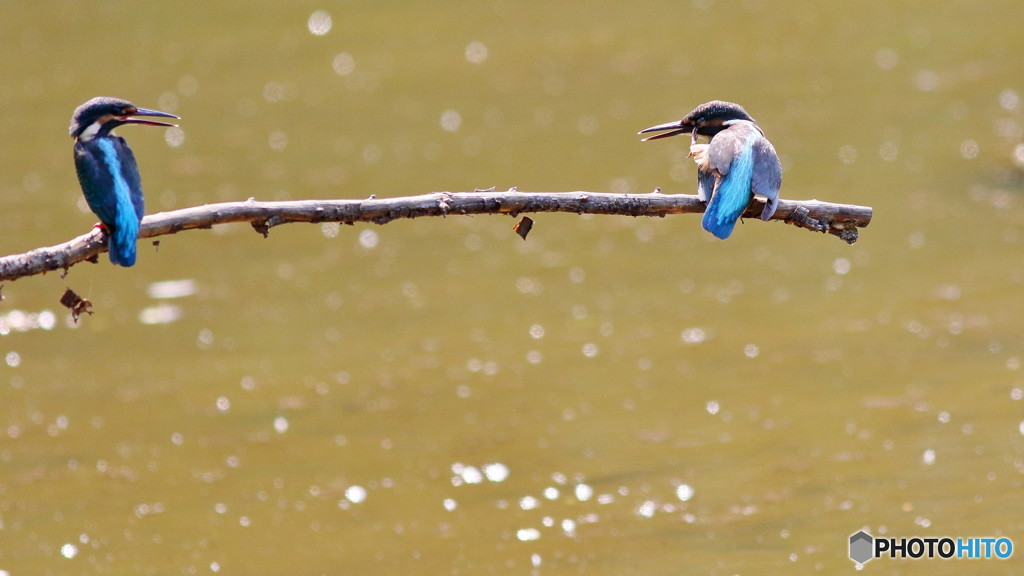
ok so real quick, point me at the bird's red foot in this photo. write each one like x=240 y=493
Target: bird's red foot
x=102 y=227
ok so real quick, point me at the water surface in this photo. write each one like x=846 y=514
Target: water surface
x=614 y=395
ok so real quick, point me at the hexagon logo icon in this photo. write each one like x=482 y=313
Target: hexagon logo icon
x=861 y=547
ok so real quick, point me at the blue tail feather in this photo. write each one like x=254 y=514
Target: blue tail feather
x=731 y=198
x=121 y=241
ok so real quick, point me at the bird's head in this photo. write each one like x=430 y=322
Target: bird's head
x=707 y=119
x=99 y=116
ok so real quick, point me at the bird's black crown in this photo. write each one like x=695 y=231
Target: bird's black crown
x=715 y=112
x=88 y=113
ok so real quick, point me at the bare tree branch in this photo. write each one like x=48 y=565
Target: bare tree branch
x=841 y=220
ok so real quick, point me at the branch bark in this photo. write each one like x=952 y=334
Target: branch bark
x=841 y=220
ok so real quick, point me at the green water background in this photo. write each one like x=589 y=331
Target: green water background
x=612 y=396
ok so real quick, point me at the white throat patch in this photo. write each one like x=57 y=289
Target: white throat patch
x=90 y=131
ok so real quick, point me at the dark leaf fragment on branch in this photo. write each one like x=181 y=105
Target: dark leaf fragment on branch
x=523 y=227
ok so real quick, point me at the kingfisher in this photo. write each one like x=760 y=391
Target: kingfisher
x=107 y=170
x=735 y=164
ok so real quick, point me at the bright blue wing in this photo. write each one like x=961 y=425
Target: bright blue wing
x=96 y=181
x=731 y=197
x=731 y=155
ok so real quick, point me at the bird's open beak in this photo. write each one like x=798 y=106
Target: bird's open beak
x=674 y=128
x=131 y=118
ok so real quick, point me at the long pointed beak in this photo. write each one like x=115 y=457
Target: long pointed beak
x=131 y=118
x=674 y=128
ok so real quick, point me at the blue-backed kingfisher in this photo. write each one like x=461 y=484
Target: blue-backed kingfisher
x=107 y=170
x=735 y=164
